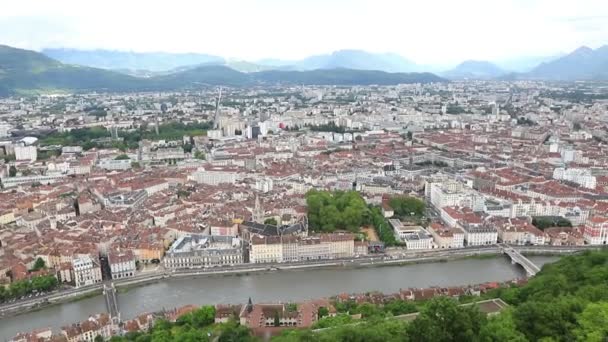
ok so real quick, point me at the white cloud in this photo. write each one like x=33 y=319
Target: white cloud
x=428 y=31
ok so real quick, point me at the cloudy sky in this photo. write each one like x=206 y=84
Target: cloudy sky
x=426 y=31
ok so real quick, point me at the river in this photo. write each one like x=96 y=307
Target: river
x=276 y=286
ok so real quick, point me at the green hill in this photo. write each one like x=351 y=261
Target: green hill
x=24 y=70
x=28 y=71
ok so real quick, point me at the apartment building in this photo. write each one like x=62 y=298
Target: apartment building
x=595 y=231
x=87 y=270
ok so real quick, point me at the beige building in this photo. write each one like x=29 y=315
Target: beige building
x=294 y=248
x=266 y=249
x=446 y=237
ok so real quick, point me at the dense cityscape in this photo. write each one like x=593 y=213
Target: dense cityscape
x=102 y=188
x=304 y=171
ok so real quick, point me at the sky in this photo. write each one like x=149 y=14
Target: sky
x=431 y=32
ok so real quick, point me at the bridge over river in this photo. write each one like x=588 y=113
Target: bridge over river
x=518 y=258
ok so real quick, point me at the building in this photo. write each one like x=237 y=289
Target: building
x=596 y=231
x=291 y=248
x=87 y=331
x=125 y=199
x=213 y=177
x=415 y=237
x=582 y=177
x=265 y=249
x=87 y=270
x=197 y=251
x=565 y=236
x=48 y=178
x=114 y=164
x=446 y=237
x=479 y=234
x=122 y=264
x=28 y=153
x=518 y=232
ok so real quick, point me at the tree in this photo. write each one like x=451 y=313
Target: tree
x=98 y=338
x=327 y=212
x=199 y=155
x=122 y=157
x=593 y=323
x=554 y=318
x=501 y=328
x=271 y=221
x=203 y=316
x=405 y=206
x=234 y=332
x=443 y=320
x=322 y=312
x=39 y=264
x=12 y=171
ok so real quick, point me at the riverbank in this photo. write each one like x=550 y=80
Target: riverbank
x=273 y=286
x=409 y=258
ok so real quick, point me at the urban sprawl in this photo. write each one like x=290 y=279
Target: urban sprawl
x=99 y=188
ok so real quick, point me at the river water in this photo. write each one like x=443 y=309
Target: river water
x=277 y=286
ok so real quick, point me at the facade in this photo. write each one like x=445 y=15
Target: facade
x=415 y=237
x=446 y=237
x=26 y=153
x=213 y=177
x=479 y=234
x=582 y=177
x=197 y=251
x=122 y=264
x=87 y=271
x=291 y=248
x=114 y=164
x=89 y=330
x=265 y=249
x=519 y=232
x=596 y=231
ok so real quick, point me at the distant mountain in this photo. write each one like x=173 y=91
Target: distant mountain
x=347 y=59
x=341 y=76
x=126 y=60
x=525 y=64
x=477 y=70
x=24 y=71
x=583 y=63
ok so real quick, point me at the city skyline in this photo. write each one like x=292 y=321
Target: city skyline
x=432 y=32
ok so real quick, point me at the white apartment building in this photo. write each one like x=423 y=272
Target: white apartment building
x=122 y=264
x=479 y=235
x=48 y=178
x=582 y=177
x=114 y=164
x=26 y=153
x=213 y=177
x=87 y=271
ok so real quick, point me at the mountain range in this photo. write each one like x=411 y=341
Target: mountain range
x=25 y=70
x=583 y=63
x=477 y=70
